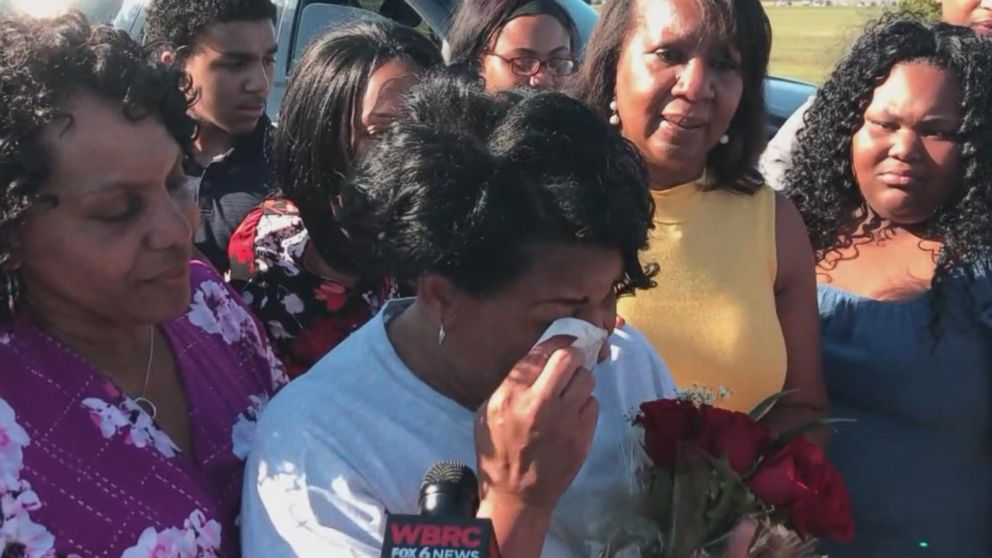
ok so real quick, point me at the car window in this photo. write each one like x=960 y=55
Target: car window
x=316 y=18
x=129 y=15
x=397 y=10
x=401 y=11
x=102 y=11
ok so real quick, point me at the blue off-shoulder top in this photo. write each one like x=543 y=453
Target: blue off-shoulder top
x=918 y=459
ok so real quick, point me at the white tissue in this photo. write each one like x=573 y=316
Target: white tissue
x=589 y=339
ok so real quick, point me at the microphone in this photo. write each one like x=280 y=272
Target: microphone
x=449 y=489
x=447 y=526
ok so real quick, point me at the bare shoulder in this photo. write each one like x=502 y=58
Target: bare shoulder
x=788 y=221
x=793 y=249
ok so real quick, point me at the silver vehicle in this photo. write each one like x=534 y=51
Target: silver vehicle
x=298 y=21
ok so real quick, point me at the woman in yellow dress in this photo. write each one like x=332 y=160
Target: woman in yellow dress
x=735 y=302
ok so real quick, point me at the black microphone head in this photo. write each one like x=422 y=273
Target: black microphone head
x=449 y=472
x=449 y=488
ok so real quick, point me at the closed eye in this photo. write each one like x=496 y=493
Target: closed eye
x=670 y=56
x=132 y=209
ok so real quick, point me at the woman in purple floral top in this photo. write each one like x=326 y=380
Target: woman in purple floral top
x=130 y=379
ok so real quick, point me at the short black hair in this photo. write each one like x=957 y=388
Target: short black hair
x=821 y=180
x=313 y=143
x=477 y=22
x=733 y=165
x=45 y=61
x=176 y=23
x=471 y=185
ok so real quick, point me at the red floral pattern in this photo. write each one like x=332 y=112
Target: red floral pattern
x=305 y=314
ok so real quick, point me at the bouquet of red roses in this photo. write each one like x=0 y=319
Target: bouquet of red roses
x=706 y=469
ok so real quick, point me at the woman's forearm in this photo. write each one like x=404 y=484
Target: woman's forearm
x=519 y=529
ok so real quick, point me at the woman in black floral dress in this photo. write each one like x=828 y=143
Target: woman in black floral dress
x=303 y=276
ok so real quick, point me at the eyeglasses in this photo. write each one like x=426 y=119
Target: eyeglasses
x=530 y=65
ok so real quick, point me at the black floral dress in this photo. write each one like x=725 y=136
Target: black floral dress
x=306 y=315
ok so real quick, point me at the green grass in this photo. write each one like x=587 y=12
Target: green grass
x=808 y=41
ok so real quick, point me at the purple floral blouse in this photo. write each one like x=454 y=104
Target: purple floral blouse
x=84 y=472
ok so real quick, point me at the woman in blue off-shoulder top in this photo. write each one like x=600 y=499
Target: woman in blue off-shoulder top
x=893 y=176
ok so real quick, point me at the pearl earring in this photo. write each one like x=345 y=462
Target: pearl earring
x=724 y=139
x=615 y=116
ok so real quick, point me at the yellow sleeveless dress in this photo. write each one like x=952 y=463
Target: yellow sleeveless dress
x=712 y=316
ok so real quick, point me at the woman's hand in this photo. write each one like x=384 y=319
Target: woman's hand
x=531 y=438
x=534 y=432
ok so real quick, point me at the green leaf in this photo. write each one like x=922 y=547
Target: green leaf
x=767 y=404
x=789 y=435
x=659 y=502
x=732 y=499
x=687 y=525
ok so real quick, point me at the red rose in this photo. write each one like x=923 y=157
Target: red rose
x=718 y=432
x=776 y=482
x=798 y=478
x=665 y=422
x=733 y=435
x=827 y=513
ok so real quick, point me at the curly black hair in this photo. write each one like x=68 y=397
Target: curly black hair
x=313 y=143
x=470 y=185
x=733 y=165
x=821 y=181
x=176 y=23
x=42 y=63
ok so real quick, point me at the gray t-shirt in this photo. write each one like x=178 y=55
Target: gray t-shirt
x=777 y=157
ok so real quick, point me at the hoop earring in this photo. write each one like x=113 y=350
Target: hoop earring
x=614 y=116
x=440 y=336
